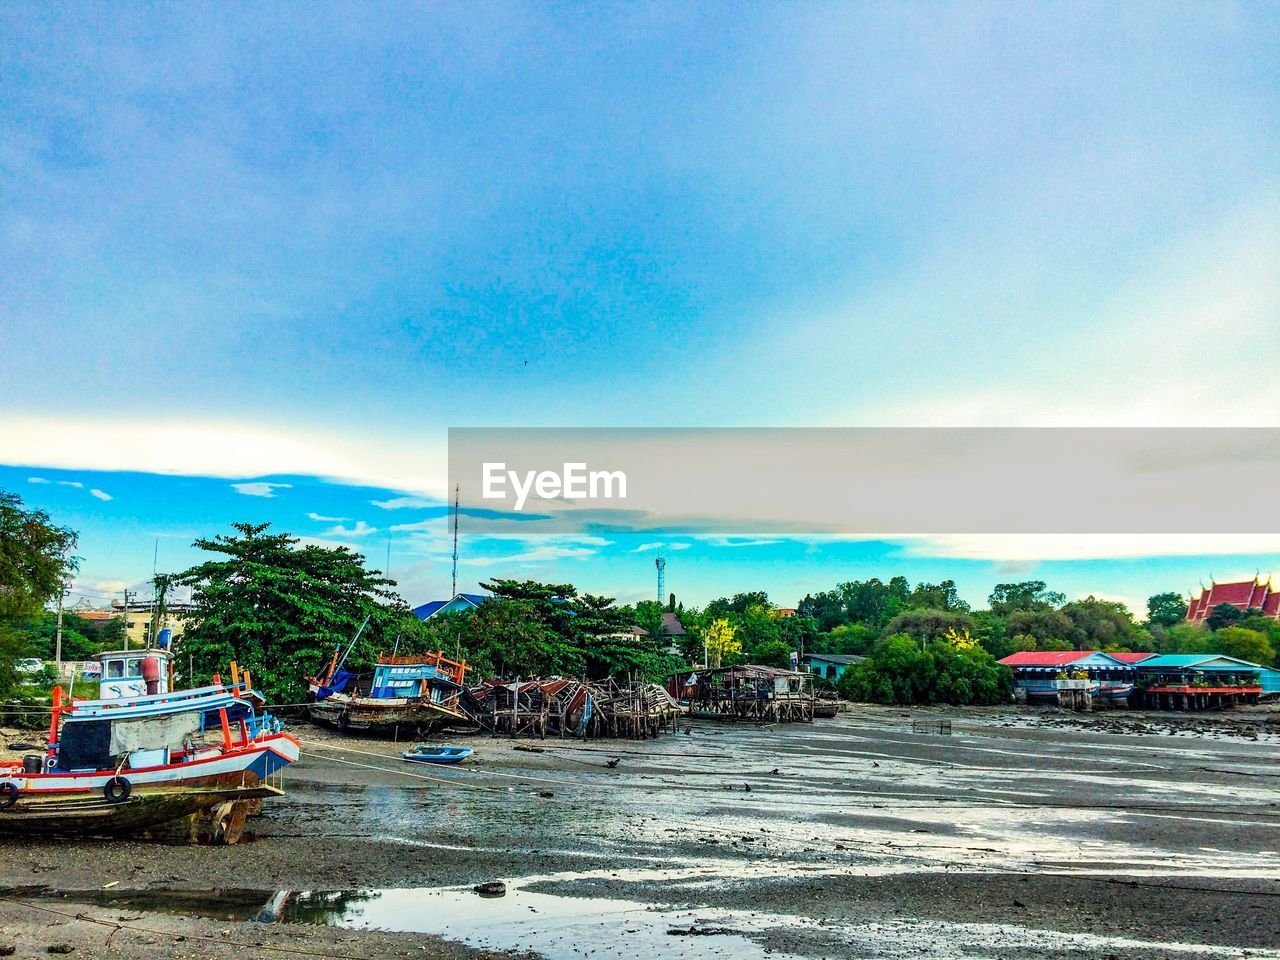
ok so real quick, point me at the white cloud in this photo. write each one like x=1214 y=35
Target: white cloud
x=361 y=529
x=402 y=503
x=438 y=525
x=1112 y=546
x=320 y=519
x=74 y=484
x=545 y=552
x=1155 y=352
x=661 y=545
x=260 y=488
x=226 y=448
x=739 y=541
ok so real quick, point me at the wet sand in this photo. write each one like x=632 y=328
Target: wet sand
x=1025 y=833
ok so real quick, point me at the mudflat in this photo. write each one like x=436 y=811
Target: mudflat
x=1023 y=833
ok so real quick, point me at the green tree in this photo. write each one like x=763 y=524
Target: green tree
x=35 y=560
x=1096 y=624
x=1031 y=595
x=926 y=624
x=279 y=608
x=739 y=603
x=1223 y=615
x=937 y=596
x=1051 y=629
x=899 y=672
x=852 y=638
x=773 y=653
x=1166 y=609
x=1185 y=638
x=1243 y=645
x=507 y=638
x=35 y=557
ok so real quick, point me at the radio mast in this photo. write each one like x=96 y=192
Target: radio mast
x=457 y=491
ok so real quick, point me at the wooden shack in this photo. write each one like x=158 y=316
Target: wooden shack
x=745 y=692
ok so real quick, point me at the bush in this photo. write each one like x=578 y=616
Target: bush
x=900 y=672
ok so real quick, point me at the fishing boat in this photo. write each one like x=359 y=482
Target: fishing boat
x=126 y=764
x=417 y=692
x=427 y=754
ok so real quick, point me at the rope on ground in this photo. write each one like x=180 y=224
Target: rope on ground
x=116 y=925
x=406 y=773
x=487 y=773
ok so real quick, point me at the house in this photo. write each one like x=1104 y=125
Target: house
x=1134 y=657
x=1194 y=681
x=138 y=629
x=462 y=603
x=672 y=632
x=1246 y=595
x=830 y=666
x=1044 y=674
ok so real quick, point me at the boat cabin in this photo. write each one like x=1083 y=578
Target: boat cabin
x=429 y=676
x=127 y=673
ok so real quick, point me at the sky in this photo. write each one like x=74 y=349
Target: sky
x=293 y=244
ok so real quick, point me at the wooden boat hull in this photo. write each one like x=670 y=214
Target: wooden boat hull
x=209 y=814
x=382 y=715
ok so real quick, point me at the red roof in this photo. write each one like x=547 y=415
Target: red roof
x=1245 y=595
x=1044 y=658
x=1130 y=657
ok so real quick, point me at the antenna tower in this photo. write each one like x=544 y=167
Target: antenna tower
x=457 y=491
x=661 y=564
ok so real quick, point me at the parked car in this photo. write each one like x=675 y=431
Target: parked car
x=29 y=666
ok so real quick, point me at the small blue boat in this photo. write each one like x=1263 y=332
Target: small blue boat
x=425 y=754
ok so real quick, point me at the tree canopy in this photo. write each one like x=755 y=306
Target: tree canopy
x=35 y=557
x=280 y=608
x=35 y=560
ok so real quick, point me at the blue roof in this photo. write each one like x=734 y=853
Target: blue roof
x=1202 y=661
x=428 y=608
x=434 y=606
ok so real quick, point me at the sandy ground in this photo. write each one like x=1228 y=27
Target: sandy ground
x=1025 y=833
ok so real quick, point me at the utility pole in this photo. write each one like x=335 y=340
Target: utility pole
x=125 y=618
x=153 y=628
x=57 y=637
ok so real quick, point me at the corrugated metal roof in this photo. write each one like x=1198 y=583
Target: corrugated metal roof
x=428 y=608
x=433 y=606
x=1045 y=658
x=1135 y=657
x=1200 y=661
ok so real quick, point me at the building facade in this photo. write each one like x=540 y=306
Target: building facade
x=1246 y=595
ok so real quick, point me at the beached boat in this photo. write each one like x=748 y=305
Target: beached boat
x=416 y=692
x=159 y=756
x=209 y=814
x=427 y=754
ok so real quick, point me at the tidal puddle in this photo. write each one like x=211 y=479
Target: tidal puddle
x=559 y=928
x=569 y=928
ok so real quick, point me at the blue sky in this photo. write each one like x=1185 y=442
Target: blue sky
x=297 y=242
